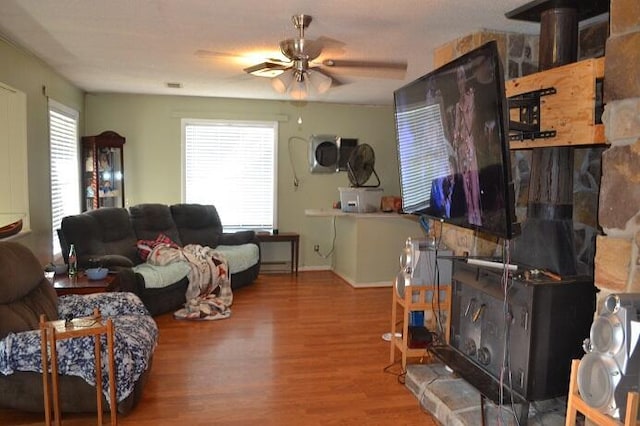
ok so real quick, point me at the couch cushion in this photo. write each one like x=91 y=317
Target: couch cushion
x=83 y=231
x=25 y=293
x=151 y=220
x=240 y=257
x=156 y=276
x=100 y=232
x=197 y=224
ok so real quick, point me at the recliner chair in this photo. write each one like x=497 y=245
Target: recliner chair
x=25 y=294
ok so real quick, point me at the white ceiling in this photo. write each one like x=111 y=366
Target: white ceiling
x=138 y=46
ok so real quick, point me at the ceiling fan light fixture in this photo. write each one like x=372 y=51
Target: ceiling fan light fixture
x=298 y=89
x=319 y=81
x=299 y=83
x=282 y=82
x=300 y=48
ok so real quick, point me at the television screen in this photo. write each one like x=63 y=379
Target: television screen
x=453 y=152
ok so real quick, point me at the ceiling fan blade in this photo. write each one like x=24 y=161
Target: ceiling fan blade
x=371 y=69
x=335 y=81
x=331 y=47
x=355 y=63
x=203 y=53
x=266 y=69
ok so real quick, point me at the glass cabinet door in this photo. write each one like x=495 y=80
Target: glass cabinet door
x=103 y=170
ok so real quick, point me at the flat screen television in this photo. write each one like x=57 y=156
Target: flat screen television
x=453 y=144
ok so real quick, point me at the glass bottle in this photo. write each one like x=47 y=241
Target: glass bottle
x=73 y=261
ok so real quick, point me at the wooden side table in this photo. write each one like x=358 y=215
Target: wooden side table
x=81 y=284
x=427 y=298
x=51 y=332
x=292 y=237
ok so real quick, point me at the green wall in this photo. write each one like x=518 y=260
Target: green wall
x=26 y=73
x=151 y=125
x=152 y=152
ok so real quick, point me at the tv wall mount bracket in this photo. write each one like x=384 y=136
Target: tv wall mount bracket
x=528 y=105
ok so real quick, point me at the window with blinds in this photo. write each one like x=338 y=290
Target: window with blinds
x=63 y=146
x=422 y=154
x=232 y=165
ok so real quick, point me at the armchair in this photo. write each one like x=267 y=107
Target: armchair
x=25 y=294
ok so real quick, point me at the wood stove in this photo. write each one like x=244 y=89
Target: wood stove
x=528 y=333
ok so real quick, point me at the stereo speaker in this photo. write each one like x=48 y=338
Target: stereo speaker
x=419 y=265
x=611 y=366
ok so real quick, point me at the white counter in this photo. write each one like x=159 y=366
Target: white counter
x=368 y=245
x=338 y=212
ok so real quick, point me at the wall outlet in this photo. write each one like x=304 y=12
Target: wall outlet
x=316 y=247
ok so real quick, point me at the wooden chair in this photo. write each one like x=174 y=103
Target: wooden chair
x=418 y=298
x=576 y=404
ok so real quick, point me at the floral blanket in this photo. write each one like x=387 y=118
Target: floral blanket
x=136 y=335
x=209 y=295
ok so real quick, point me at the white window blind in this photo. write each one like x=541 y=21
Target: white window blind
x=232 y=165
x=422 y=153
x=65 y=184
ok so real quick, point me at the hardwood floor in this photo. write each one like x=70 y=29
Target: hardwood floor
x=295 y=351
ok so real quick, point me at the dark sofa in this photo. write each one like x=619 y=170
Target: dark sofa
x=109 y=236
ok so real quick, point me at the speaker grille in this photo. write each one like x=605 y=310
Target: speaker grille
x=597 y=380
x=607 y=335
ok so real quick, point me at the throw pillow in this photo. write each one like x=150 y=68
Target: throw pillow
x=145 y=246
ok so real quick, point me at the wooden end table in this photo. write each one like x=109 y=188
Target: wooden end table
x=292 y=237
x=81 y=284
x=51 y=332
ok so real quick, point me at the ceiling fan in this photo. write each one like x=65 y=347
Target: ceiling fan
x=299 y=74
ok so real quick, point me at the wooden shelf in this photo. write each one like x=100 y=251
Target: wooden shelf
x=417 y=298
x=571 y=111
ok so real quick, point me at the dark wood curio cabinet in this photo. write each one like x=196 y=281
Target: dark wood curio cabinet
x=102 y=170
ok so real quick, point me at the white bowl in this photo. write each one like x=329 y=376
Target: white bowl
x=60 y=268
x=96 y=273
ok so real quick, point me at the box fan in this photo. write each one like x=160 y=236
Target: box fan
x=361 y=198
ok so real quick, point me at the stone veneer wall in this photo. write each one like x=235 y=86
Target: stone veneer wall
x=521 y=58
x=617 y=263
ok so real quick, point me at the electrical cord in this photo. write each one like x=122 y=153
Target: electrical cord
x=333 y=242
x=387 y=369
x=401 y=376
x=437 y=308
x=505 y=341
x=296 y=180
x=423 y=220
x=505 y=368
x=425 y=388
